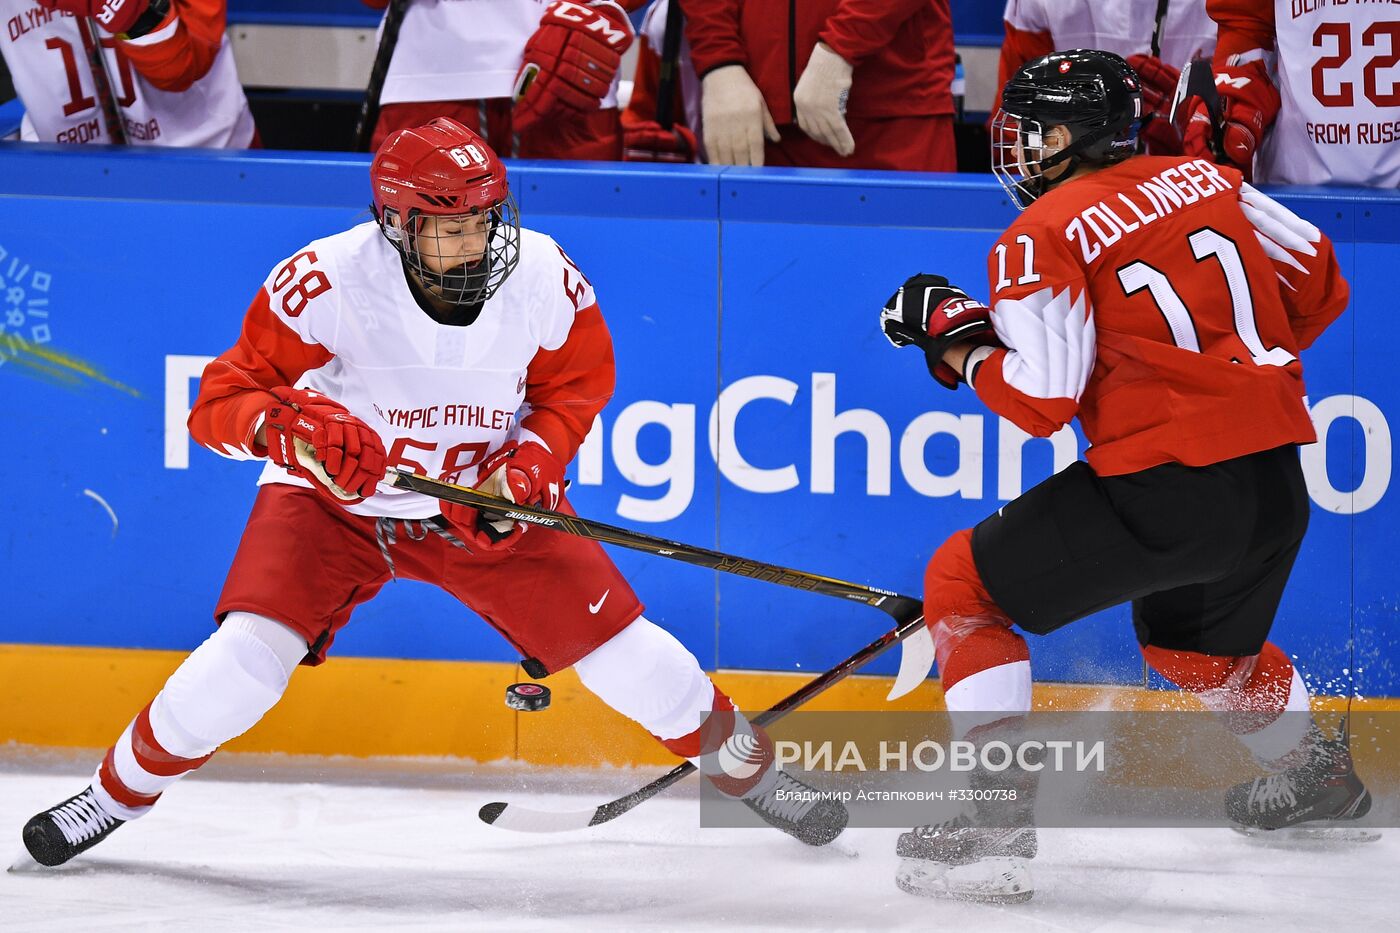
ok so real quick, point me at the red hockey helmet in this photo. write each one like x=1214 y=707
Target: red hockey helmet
x=443 y=170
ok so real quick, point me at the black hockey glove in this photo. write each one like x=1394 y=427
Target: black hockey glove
x=929 y=313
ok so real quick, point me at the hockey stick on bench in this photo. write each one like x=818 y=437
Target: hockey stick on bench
x=522 y=819
x=914 y=664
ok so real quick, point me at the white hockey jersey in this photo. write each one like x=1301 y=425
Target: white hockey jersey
x=455 y=50
x=339 y=317
x=1124 y=27
x=1338 y=73
x=167 y=89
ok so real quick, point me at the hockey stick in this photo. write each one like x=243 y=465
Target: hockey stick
x=388 y=39
x=670 y=65
x=1157 y=28
x=915 y=662
x=1198 y=81
x=918 y=655
x=97 y=62
x=524 y=820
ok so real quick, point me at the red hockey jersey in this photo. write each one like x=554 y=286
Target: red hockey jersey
x=1163 y=302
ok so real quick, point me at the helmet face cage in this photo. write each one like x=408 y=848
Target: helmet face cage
x=459 y=284
x=1019 y=158
x=1094 y=95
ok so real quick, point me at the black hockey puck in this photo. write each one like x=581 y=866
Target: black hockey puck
x=529 y=698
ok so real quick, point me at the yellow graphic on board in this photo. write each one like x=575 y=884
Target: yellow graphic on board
x=44 y=362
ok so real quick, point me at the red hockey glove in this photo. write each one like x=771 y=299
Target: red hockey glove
x=1250 y=102
x=349 y=453
x=570 y=61
x=929 y=313
x=1158 y=81
x=524 y=473
x=648 y=142
x=126 y=18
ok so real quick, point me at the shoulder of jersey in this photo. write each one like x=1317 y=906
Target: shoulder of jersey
x=535 y=245
x=349 y=250
x=1062 y=203
x=539 y=254
x=357 y=241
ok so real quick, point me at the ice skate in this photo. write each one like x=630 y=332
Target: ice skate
x=959 y=860
x=76 y=825
x=1308 y=803
x=799 y=810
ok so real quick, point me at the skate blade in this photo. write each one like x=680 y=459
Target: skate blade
x=24 y=862
x=1304 y=837
x=993 y=880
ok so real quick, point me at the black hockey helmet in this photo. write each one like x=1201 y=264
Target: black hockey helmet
x=1095 y=95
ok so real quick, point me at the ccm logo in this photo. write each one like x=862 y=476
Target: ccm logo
x=591 y=20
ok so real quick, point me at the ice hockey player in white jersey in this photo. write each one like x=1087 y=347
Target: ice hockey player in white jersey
x=1157 y=37
x=442 y=338
x=1311 y=91
x=167 y=63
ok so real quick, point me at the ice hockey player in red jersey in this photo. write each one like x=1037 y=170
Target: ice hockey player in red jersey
x=168 y=63
x=1163 y=302
x=444 y=338
x=1311 y=92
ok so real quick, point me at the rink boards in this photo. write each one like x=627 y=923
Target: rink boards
x=758 y=410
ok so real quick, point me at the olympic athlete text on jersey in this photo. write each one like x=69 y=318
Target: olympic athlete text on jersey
x=1163 y=302
x=444 y=339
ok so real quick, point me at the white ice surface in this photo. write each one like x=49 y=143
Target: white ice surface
x=375 y=848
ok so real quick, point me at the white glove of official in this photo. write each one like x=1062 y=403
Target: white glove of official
x=820 y=99
x=735 y=117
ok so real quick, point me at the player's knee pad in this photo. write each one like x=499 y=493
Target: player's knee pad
x=1261 y=697
x=226 y=685
x=952 y=585
x=1263 y=682
x=645 y=674
x=984 y=667
x=1202 y=674
x=966 y=646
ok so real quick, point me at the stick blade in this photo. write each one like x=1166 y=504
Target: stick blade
x=1197 y=83
x=523 y=820
x=916 y=659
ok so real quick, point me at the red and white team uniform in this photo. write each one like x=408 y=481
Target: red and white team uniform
x=1192 y=358
x=642 y=106
x=1124 y=27
x=339 y=318
x=463 y=51
x=510 y=348
x=464 y=59
x=653 y=34
x=175 y=86
x=1337 y=68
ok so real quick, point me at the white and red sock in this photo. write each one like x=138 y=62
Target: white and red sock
x=219 y=692
x=645 y=674
x=1251 y=694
